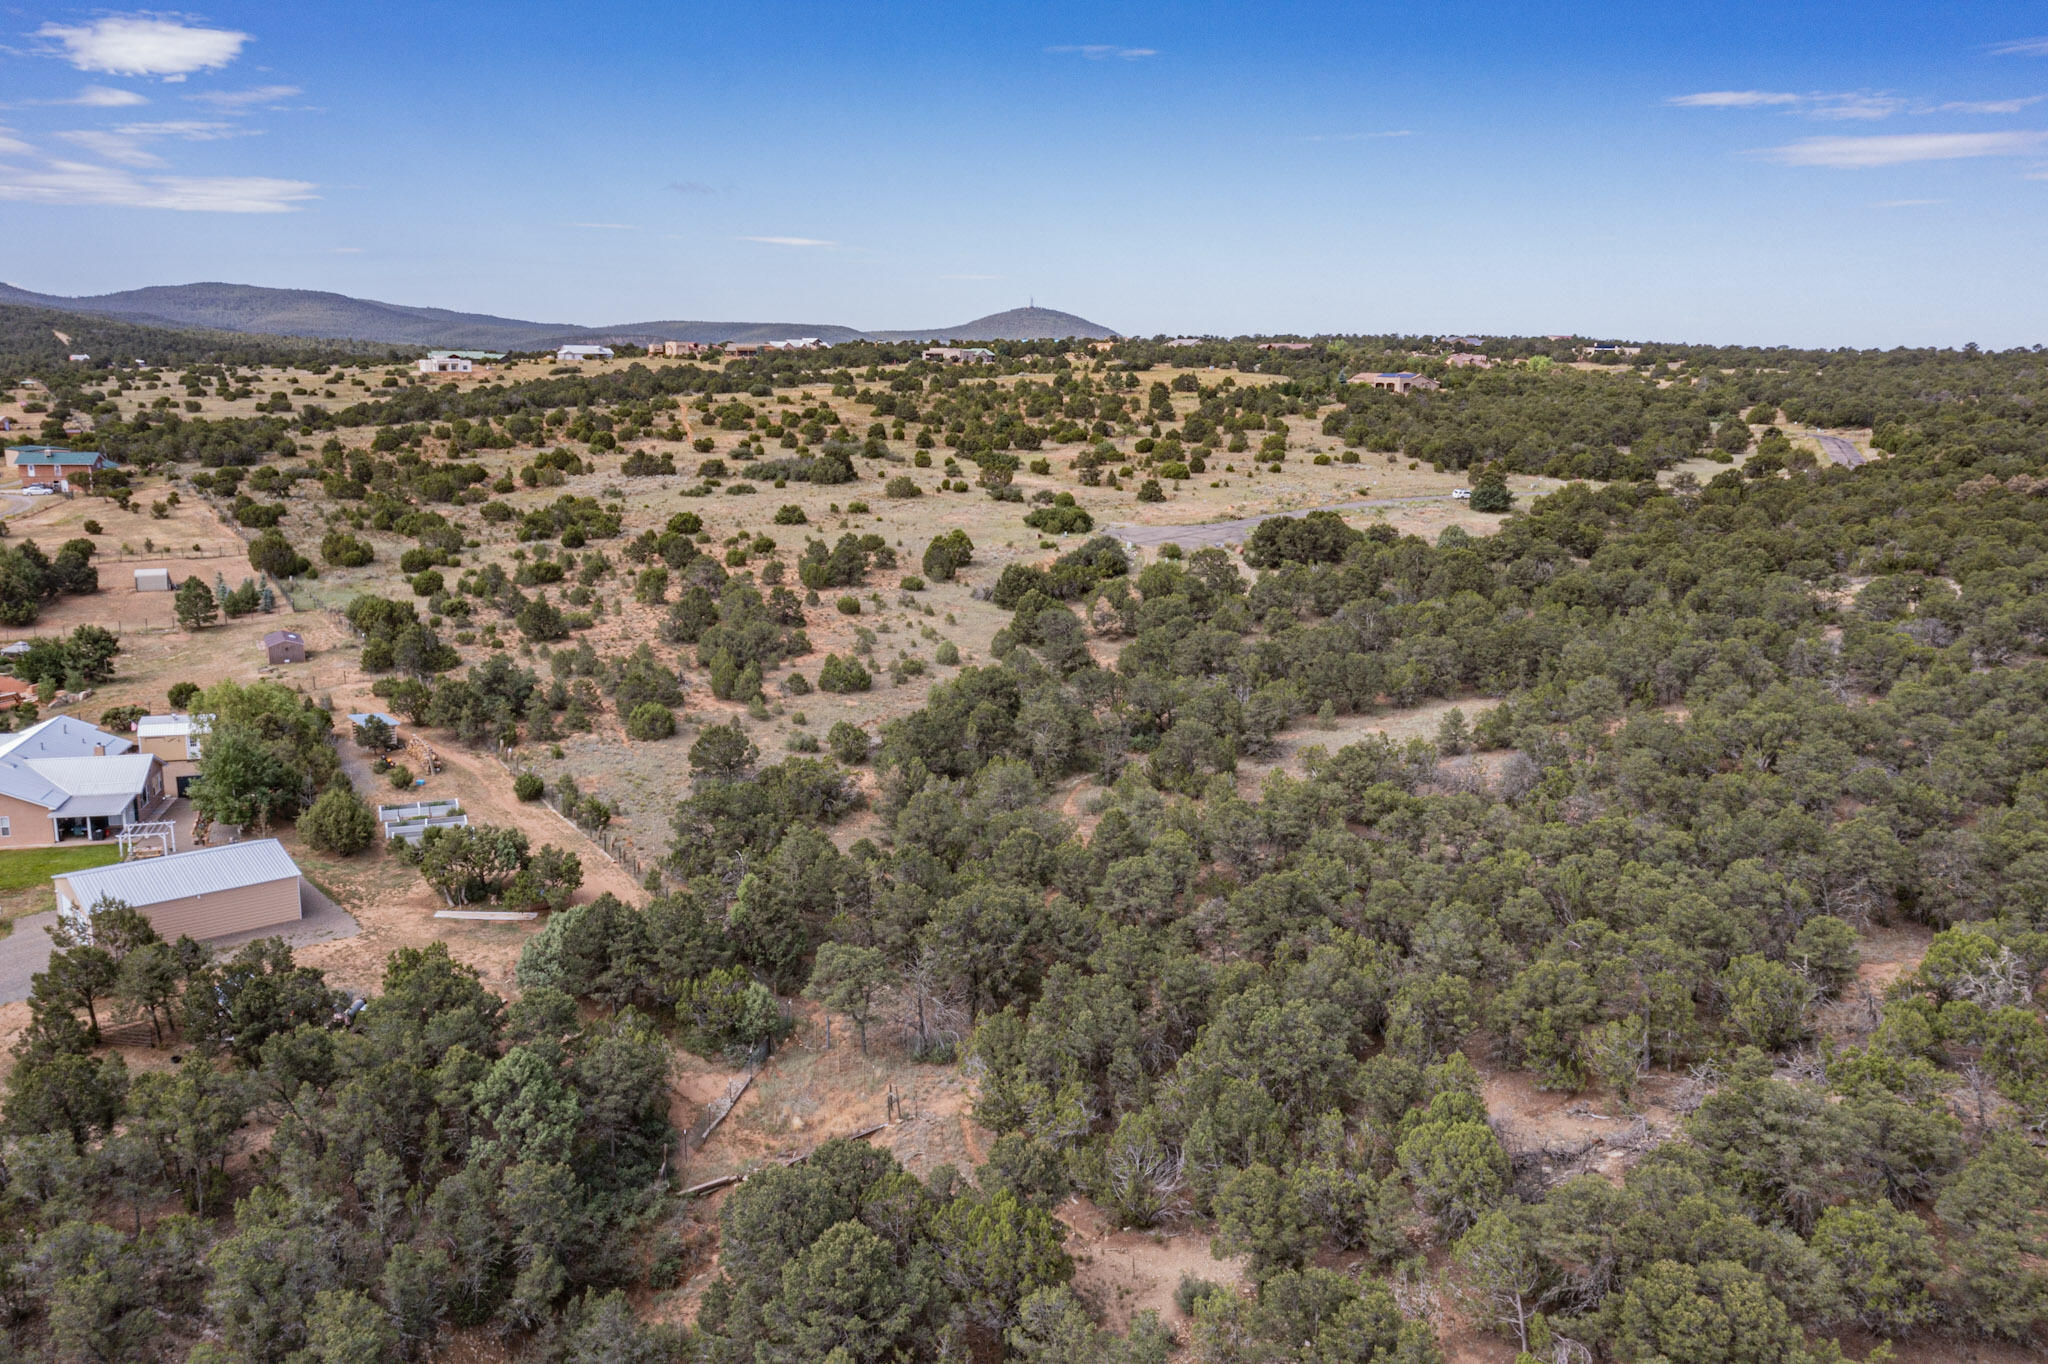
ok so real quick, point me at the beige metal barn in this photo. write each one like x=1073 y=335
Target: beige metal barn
x=205 y=893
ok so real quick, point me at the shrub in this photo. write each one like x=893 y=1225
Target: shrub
x=849 y=742
x=651 y=720
x=1150 y=491
x=912 y=583
x=948 y=554
x=343 y=550
x=903 y=485
x=849 y=606
x=856 y=508
x=1491 y=495
x=338 y=822
x=400 y=776
x=791 y=515
x=948 y=653
x=529 y=786
x=703 y=445
x=843 y=675
x=181 y=694
x=427 y=583
x=92 y=527
x=1059 y=520
x=803 y=743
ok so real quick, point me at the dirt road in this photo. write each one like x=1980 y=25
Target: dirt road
x=1208 y=533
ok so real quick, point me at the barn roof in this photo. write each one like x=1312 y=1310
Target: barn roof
x=202 y=871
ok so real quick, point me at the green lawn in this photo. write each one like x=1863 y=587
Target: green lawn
x=27 y=868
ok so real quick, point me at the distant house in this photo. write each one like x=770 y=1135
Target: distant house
x=152 y=580
x=204 y=893
x=285 y=646
x=1403 y=382
x=50 y=464
x=960 y=355
x=1286 y=345
x=742 y=348
x=576 y=355
x=64 y=779
x=80 y=358
x=671 y=349
x=796 y=343
x=446 y=364
x=1468 y=360
x=173 y=740
x=1184 y=341
x=1604 y=349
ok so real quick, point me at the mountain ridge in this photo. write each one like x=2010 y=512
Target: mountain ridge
x=254 y=309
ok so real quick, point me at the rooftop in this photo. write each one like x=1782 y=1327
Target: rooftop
x=202 y=871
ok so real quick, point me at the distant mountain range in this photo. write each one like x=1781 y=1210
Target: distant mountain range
x=251 y=308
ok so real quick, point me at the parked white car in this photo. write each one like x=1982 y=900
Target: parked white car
x=38 y=490
x=1462 y=494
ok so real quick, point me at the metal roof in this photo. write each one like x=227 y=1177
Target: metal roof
x=173 y=726
x=282 y=636
x=61 y=736
x=203 y=871
x=102 y=776
x=51 y=454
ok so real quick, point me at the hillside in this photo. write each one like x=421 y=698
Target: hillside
x=36 y=340
x=329 y=316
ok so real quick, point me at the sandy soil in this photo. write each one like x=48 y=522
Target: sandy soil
x=1124 y=1273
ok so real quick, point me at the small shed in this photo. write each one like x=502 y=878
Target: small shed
x=205 y=893
x=285 y=646
x=152 y=580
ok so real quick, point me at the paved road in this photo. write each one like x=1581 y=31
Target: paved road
x=1208 y=533
x=1840 y=450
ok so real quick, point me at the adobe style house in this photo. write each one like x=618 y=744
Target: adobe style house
x=204 y=893
x=446 y=364
x=174 y=740
x=64 y=781
x=49 y=464
x=1403 y=382
x=285 y=646
x=960 y=355
x=1468 y=360
x=672 y=349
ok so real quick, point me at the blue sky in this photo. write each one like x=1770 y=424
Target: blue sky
x=1853 y=174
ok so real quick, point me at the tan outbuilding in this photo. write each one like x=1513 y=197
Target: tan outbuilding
x=205 y=893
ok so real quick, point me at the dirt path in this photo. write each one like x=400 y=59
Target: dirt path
x=1232 y=532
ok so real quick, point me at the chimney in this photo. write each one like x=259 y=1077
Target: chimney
x=99 y=750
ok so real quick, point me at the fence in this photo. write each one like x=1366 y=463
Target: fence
x=622 y=851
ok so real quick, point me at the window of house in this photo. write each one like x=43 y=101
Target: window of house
x=6 y=827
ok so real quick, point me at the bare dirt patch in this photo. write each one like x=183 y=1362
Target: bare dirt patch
x=1124 y=1273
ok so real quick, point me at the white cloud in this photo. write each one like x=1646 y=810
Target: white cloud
x=1902 y=148
x=1733 y=99
x=105 y=97
x=2025 y=47
x=73 y=182
x=145 y=45
x=230 y=100
x=787 y=241
x=1102 y=52
x=1989 y=106
x=1855 y=106
x=127 y=143
x=10 y=144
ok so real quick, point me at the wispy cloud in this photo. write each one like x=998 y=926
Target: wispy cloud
x=1856 y=153
x=73 y=182
x=104 y=97
x=1908 y=203
x=1989 y=106
x=787 y=241
x=2025 y=47
x=1358 y=137
x=229 y=101
x=145 y=45
x=1102 y=52
x=1733 y=99
x=126 y=143
x=1855 y=106
x=10 y=145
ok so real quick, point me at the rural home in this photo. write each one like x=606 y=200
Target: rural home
x=742 y=348
x=576 y=355
x=671 y=349
x=152 y=580
x=285 y=646
x=1285 y=345
x=64 y=780
x=960 y=355
x=204 y=893
x=1606 y=349
x=1468 y=360
x=797 y=343
x=49 y=464
x=1405 y=381
x=445 y=364
x=173 y=740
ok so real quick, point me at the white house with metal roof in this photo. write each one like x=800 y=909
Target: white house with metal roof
x=205 y=893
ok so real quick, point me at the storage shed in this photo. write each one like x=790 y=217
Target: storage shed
x=205 y=893
x=152 y=580
x=285 y=646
